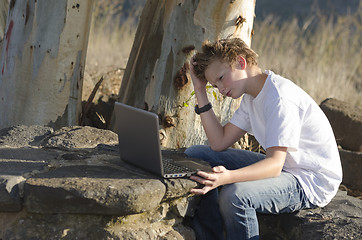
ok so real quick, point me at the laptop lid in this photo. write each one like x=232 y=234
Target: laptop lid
x=138 y=135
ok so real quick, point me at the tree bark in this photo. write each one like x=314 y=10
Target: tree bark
x=42 y=62
x=4 y=6
x=157 y=78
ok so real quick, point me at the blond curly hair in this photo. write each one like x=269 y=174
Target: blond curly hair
x=225 y=50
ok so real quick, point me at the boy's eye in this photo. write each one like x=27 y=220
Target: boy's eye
x=221 y=77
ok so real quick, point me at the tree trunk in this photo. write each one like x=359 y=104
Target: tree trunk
x=4 y=6
x=157 y=77
x=42 y=62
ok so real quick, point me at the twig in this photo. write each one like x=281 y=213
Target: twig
x=89 y=101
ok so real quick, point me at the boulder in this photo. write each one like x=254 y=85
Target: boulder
x=104 y=190
x=10 y=200
x=340 y=219
x=351 y=165
x=15 y=165
x=24 y=136
x=72 y=184
x=346 y=121
x=80 y=137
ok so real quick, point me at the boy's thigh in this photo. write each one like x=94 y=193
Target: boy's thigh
x=229 y=158
x=272 y=195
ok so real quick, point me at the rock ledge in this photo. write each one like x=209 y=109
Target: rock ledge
x=72 y=184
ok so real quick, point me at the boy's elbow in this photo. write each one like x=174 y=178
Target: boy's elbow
x=278 y=170
x=277 y=173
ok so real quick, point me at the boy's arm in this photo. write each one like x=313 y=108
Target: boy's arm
x=269 y=167
x=220 y=137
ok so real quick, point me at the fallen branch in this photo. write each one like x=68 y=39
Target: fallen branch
x=89 y=101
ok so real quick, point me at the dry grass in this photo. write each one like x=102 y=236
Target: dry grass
x=110 y=43
x=109 y=46
x=323 y=55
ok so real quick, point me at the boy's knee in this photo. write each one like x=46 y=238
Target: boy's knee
x=196 y=151
x=230 y=200
x=205 y=153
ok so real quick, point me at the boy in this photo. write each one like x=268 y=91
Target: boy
x=301 y=168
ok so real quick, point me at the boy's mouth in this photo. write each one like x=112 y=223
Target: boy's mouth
x=228 y=93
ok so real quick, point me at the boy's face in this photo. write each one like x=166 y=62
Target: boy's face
x=229 y=81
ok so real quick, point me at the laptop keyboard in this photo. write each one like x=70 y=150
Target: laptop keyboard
x=170 y=167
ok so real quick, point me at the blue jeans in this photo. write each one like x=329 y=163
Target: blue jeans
x=234 y=208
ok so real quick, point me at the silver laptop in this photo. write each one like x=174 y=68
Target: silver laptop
x=139 y=144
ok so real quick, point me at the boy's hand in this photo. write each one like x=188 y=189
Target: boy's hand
x=218 y=177
x=199 y=84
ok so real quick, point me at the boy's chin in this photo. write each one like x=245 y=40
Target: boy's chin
x=237 y=96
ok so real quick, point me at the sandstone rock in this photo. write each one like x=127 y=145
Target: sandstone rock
x=157 y=224
x=15 y=165
x=351 y=165
x=62 y=175
x=80 y=137
x=346 y=122
x=92 y=189
x=10 y=200
x=23 y=136
x=340 y=219
x=88 y=192
x=178 y=187
x=17 y=159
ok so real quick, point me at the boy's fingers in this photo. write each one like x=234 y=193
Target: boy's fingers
x=205 y=175
x=197 y=191
x=201 y=180
x=218 y=169
x=200 y=191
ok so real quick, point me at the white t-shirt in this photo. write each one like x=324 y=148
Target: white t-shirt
x=282 y=114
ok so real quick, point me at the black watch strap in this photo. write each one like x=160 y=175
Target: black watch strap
x=205 y=108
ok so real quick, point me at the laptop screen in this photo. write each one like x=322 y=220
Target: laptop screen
x=138 y=135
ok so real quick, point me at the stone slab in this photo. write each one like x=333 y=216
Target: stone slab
x=20 y=167
x=23 y=136
x=157 y=224
x=346 y=121
x=87 y=192
x=15 y=165
x=80 y=137
x=93 y=190
x=340 y=219
x=27 y=154
x=10 y=194
x=352 y=169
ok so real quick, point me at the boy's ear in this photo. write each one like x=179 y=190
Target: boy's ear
x=242 y=62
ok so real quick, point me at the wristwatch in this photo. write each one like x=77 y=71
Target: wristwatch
x=205 y=108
